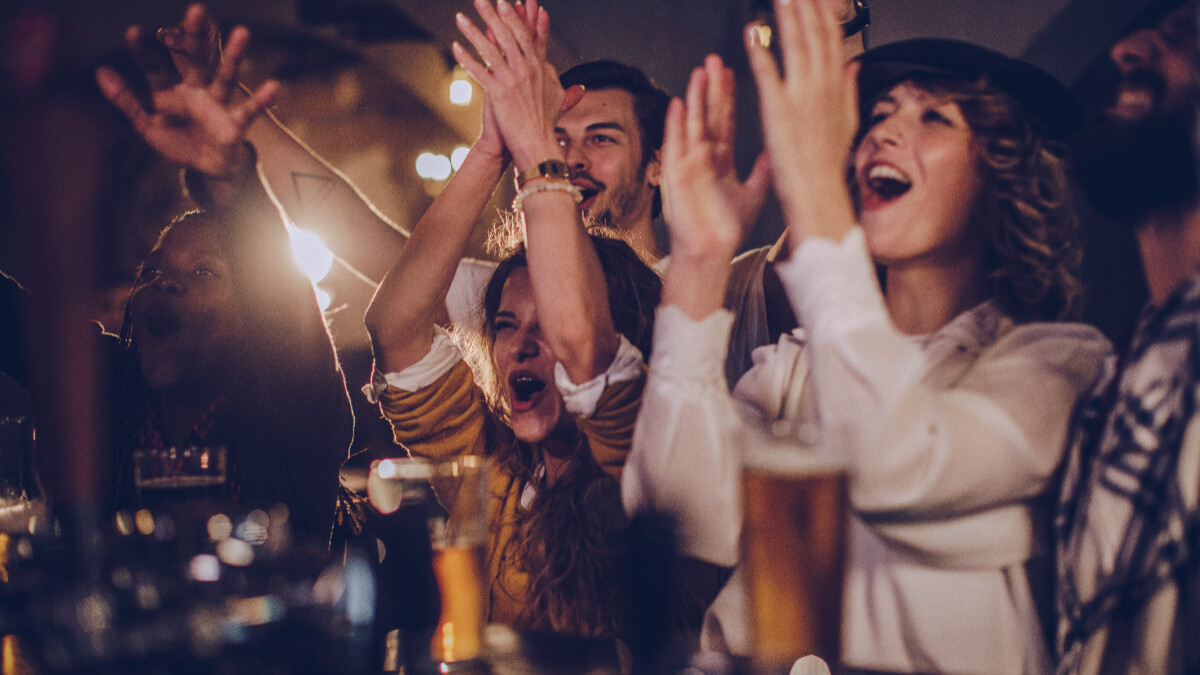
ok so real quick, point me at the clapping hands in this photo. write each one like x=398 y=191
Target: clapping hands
x=524 y=97
x=709 y=211
x=809 y=116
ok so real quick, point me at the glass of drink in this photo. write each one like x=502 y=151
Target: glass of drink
x=793 y=540
x=457 y=491
x=170 y=476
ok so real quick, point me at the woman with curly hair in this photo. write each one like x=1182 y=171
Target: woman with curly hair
x=929 y=358
x=554 y=400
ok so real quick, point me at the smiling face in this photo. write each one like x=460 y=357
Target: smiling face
x=184 y=311
x=918 y=179
x=1156 y=66
x=1135 y=155
x=525 y=363
x=603 y=146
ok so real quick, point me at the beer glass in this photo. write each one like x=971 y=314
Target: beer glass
x=458 y=525
x=166 y=476
x=794 y=500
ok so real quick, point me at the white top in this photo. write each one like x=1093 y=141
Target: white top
x=950 y=439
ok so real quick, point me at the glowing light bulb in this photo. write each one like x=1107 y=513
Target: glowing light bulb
x=434 y=167
x=310 y=253
x=461 y=92
x=457 y=157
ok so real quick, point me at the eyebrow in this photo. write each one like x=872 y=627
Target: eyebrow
x=598 y=126
x=504 y=314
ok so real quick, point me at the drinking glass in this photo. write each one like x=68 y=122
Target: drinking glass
x=172 y=476
x=455 y=494
x=793 y=539
x=20 y=491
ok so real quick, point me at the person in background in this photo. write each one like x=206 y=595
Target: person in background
x=223 y=342
x=1128 y=525
x=928 y=269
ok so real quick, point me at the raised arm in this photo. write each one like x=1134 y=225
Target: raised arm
x=568 y=282
x=295 y=393
x=414 y=290
x=809 y=116
x=416 y=286
x=313 y=194
x=709 y=211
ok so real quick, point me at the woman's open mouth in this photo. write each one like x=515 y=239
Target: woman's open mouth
x=883 y=184
x=524 y=388
x=161 y=321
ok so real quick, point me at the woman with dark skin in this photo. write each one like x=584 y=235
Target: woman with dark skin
x=223 y=343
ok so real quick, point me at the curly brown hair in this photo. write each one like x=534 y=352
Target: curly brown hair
x=571 y=541
x=1033 y=240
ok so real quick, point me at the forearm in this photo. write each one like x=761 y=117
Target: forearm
x=683 y=463
x=319 y=198
x=696 y=283
x=416 y=286
x=569 y=286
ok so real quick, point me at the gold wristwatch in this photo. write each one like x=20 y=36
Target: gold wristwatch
x=552 y=169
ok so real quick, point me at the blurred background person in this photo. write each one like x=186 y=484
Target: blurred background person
x=223 y=342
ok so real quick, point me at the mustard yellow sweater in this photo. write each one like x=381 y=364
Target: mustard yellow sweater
x=450 y=417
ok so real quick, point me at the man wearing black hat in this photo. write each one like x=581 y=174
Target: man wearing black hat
x=1128 y=528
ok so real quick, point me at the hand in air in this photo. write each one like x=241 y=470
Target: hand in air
x=193 y=118
x=809 y=115
x=523 y=91
x=709 y=211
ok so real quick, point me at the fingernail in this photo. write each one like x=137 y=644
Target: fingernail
x=503 y=6
x=460 y=19
x=752 y=35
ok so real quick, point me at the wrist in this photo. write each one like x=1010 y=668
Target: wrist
x=530 y=157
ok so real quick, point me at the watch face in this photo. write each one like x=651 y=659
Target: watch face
x=553 y=169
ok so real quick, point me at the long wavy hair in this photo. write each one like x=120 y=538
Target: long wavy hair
x=571 y=540
x=1032 y=245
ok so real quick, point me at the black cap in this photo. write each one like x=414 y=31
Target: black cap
x=1053 y=109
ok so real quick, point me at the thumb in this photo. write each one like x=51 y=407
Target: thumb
x=571 y=97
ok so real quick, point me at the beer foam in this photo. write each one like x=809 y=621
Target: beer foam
x=792 y=461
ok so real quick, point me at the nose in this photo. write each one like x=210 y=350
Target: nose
x=525 y=346
x=576 y=155
x=165 y=282
x=888 y=131
x=1137 y=50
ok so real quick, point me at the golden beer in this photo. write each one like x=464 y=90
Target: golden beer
x=454 y=494
x=793 y=552
x=459 y=635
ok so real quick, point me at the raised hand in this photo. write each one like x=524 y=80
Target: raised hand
x=193 y=119
x=809 y=116
x=194 y=44
x=709 y=211
x=522 y=88
x=490 y=142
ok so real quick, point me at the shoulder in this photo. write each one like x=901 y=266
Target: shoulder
x=1075 y=352
x=1055 y=339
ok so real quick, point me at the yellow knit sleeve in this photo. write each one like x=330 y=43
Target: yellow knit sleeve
x=444 y=419
x=610 y=429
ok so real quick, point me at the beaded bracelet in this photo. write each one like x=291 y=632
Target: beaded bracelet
x=546 y=186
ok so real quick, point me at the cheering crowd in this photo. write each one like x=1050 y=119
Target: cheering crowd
x=1023 y=498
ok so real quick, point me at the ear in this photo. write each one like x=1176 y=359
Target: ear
x=654 y=169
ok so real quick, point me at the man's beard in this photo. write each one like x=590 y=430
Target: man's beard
x=1131 y=169
x=618 y=201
